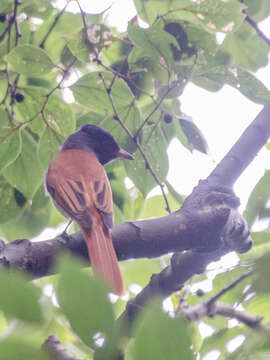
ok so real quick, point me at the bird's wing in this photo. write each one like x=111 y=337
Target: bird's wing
x=77 y=194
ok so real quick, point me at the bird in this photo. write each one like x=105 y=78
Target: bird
x=79 y=187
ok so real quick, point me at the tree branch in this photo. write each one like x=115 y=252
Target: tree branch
x=171 y=279
x=56 y=19
x=55 y=350
x=145 y=238
x=223 y=291
x=255 y=26
x=195 y=313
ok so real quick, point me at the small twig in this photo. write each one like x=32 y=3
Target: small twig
x=119 y=72
x=11 y=87
x=47 y=96
x=2 y=36
x=255 y=26
x=135 y=140
x=83 y=18
x=211 y=308
x=18 y=33
x=257 y=29
x=12 y=21
x=248 y=319
x=153 y=111
x=57 y=17
x=55 y=349
x=223 y=291
x=197 y=312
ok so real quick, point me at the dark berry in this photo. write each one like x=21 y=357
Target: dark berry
x=167 y=118
x=3 y=17
x=19 y=97
x=19 y=198
x=199 y=292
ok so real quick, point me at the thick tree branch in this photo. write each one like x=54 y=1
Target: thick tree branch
x=146 y=238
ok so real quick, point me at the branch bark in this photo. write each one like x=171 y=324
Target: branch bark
x=195 y=313
x=55 y=350
x=146 y=238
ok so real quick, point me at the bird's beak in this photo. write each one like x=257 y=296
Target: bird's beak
x=123 y=154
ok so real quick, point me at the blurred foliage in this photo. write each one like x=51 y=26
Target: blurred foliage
x=53 y=78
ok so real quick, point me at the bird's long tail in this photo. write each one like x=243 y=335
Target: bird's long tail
x=103 y=257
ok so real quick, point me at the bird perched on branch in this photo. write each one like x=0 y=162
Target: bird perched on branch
x=78 y=184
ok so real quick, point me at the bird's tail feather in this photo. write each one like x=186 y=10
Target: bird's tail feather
x=103 y=257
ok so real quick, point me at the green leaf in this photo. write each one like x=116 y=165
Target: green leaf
x=40 y=200
x=25 y=173
x=179 y=199
x=10 y=141
x=261 y=283
x=225 y=279
x=154 y=146
x=155 y=206
x=77 y=46
x=12 y=201
x=89 y=91
x=159 y=337
x=139 y=271
x=29 y=110
x=212 y=15
x=48 y=146
x=29 y=60
x=18 y=349
x=243 y=44
x=3 y=82
x=252 y=87
x=259 y=305
x=154 y=41
x=150 y=10
x=193 y=134
x=6 y=6
x=258 y=198
x=258 y=10
x=68 y=23
x=201 y=39
x=219 y=340
x=260 y=238
x=216 y=15
x=32 y=220
x=19 y=298
x=88 y=310
x=59 y=116
x=214 y=78
x=35 y=9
